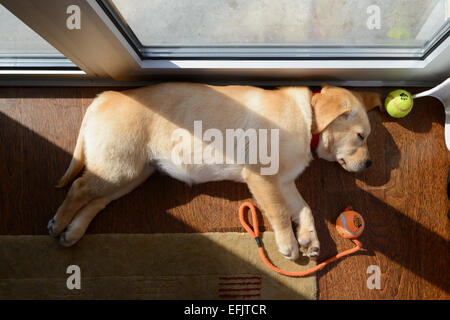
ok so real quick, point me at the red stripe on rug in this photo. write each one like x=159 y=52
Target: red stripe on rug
x=231 y=296
x=241 y=289
x=239 y=278
x=239 y=283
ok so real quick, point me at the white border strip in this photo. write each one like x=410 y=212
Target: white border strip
x=42 y=72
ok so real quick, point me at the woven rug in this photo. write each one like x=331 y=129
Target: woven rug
x=148 y=266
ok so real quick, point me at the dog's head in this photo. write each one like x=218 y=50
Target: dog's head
x=340 y=116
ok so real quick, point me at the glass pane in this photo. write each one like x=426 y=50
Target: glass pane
x=20 y=46
x=407 y=25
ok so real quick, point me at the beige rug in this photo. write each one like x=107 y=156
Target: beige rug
x=150 y=266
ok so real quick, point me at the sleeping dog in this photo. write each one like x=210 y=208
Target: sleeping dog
x=126 y=136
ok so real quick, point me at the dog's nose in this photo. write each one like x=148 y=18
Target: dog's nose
x=368 y=163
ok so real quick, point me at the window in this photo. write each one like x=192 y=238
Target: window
x=280 y=29
x=21 y=47
x=343 y=42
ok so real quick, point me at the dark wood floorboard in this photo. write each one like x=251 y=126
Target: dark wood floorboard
x=402 y=196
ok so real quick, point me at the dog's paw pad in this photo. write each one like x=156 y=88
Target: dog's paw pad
x=312 y=252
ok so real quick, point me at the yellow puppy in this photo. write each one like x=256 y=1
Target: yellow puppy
x=198 y=133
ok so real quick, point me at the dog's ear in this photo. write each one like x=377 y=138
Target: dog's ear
x=370 y=99
x=326 y=108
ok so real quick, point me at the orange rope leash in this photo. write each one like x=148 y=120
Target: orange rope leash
x=255 y=235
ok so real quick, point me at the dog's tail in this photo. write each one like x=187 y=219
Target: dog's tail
x=76 y=164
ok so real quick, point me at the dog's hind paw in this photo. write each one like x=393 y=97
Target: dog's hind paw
x=68 y=238
x=51 y=228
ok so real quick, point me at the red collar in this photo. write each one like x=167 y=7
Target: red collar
x=314 y=141
x=315 y=136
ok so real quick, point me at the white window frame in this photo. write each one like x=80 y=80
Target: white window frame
x=277 y=51
x=107 y=55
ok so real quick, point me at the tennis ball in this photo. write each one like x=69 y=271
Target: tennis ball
x=398 y=103
x=398 y=32
x=350 y=224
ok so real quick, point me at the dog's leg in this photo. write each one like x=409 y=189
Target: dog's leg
x=77 y=227
x=80 y=194
x=302 y=216
x=266 y=190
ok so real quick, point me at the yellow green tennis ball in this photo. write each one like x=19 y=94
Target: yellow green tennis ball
x=398 y=32
x=398 y=103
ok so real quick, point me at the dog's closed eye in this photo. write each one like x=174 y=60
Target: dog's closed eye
x=361 y=136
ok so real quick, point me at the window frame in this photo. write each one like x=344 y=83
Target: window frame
x=35 y=62
x=269 y=52
x=108 y=56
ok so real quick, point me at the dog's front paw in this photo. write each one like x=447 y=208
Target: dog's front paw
x=307 y=238
x=312 y=251
x=288 y=246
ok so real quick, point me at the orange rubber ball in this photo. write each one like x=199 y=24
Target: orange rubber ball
x=350 y=224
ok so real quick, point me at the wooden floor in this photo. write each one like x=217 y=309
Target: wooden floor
x=402 y=196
